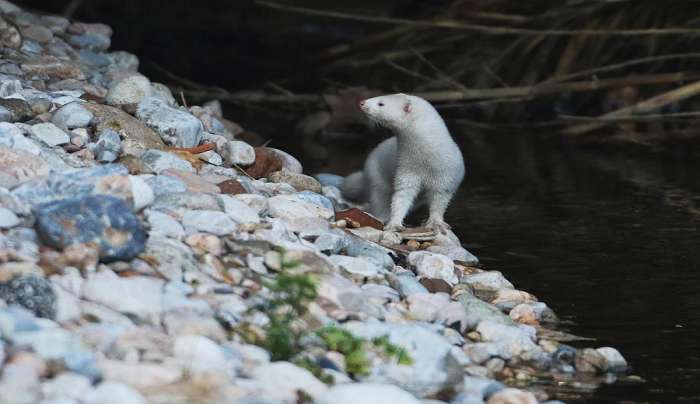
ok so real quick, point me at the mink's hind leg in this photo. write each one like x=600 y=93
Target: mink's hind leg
x=407 y=189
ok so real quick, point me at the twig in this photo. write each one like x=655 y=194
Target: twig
x=622 y=65
x=237 y=167
x=647 y=117
x=484 y=29
x=648 y=105
x=184 y=101
x=438 y=71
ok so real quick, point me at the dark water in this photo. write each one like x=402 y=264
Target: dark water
x=608 y=240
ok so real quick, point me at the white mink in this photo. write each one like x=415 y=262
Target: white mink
x=420 y=164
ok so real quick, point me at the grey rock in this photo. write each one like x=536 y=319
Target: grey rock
x=434 y=366
x=71 y=183
x=50 y=134
x=66 y=385
x=237 y=210
x=72 y=115
x=31 y=292
x=139 y=296
x=83 y=363
x=163 y=184
x=175 y=126
x=358 y=268
x=124 y=61
x=282 y=380
x=107 y=221
x=474 y=311
x=489 y=281
x=12 y=137
x=90 y=40
x=209 y=221
x=157 y=161
x=370 y=393
x=433 y=266
x=358 y=247
x=16 y=110
x=10 y=87
x=110 y=392
x=162 y=92
x=50 y=343
x=108 y=147
x=407 y=284
x=8 y=219
x=173 y=256
x=129 y=91
x=315 y=199
x=519 y=342
x=165 y=225
x=238 y=153
x=614 y=361
x=300 y=182
x=330 y=242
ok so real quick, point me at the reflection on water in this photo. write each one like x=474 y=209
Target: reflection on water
x=609 y=241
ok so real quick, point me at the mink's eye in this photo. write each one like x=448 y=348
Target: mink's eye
x=381 y=104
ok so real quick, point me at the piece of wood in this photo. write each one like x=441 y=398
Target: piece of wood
x=648 y=105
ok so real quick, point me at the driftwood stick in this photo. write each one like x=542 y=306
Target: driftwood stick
x=542 y=89
x=484 y=29
x=642 y=107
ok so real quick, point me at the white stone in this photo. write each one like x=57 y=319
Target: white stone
x=239 y=153
x=142 y=193
x=12 y=137
x=366 y=393
x=130 y=90
x=254 y=201
x=114 y=393
x=165 y=225
x=613 y=359
x=519 y=340
x=511 y=396
x=490 y=280
x=140 y=375
x=157 y=160
x=359 y=268
x=67 y=385
x=427 y=306
x=200 y=355
x=175 y=126
x=434 y=266
x=208 y=221
x=282 y=381
x=237 y=210
x=50 y=134
x=290 y=207
x=434 y=366
x=72 y=115
x=138 y=295
x=8 y=219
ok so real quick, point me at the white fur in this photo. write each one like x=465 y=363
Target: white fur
x=421 y=162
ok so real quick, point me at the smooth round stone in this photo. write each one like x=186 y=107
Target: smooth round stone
x=130 y=90
x=72 y=115
x=114 y=393
x=370 y=393
x=103 y=219
x=50 y=134
x=8 y=219
x=238 y=153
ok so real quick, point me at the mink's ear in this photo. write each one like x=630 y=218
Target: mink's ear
x=407 y=107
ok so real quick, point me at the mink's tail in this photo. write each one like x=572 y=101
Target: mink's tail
x=354 y=187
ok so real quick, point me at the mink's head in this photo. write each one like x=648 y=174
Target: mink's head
x=396 y=111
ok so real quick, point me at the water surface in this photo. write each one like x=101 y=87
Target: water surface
x=608 y=239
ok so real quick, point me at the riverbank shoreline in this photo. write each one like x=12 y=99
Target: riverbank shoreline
x=137 y=267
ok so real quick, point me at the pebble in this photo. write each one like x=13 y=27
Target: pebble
x=193 y=182
x=433 y=266
x=50 y=134
x=359 y=269
x=139 y=295
x=12 y=137
x=8 y=219
x=32 y=292
x=209 y=221
x=157 y=161
x=110 y=392
x=175 y=126
x=129 y=91
x=107 y=221
x=300 y=182
x=512 y=396
x=614 y=361
x=237 y=153
x=108 y=147
x=371 y=393
x=239 y=211
x=282 y=381
x=72 y=115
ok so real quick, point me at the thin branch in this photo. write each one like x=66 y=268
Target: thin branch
x=484 y=29
x=642 y=107
x=617 y=66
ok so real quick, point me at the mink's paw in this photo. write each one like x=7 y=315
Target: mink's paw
x=394 y=227
x=438 y=226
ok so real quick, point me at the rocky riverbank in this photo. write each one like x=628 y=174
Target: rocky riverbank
x=148 y=254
